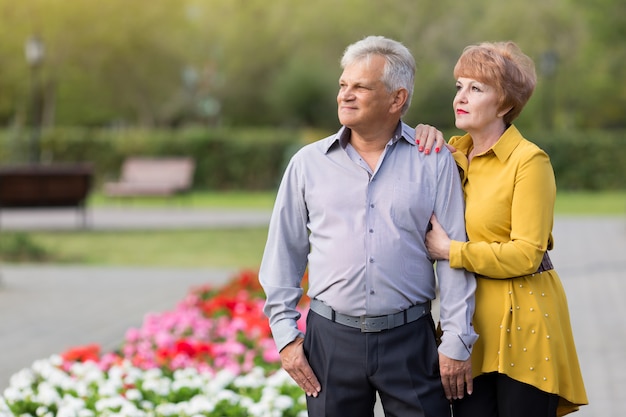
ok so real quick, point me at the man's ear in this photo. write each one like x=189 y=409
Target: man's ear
x=400 y=97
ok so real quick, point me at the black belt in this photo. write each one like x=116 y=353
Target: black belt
x=372 y=323
x=545 y=265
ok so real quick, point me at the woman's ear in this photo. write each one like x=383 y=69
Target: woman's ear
x=504 y=112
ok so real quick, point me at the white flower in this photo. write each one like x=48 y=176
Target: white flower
x=46 y=394
x=134 y=395
x=110 y=403
x=167 y=409
x=283 y=402
x=22 y=379
x=200 y=404
x=160 y=386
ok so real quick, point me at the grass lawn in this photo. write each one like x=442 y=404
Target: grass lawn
x=228 y=248
x=591 y=203
x=219 y=248
x=229 y=199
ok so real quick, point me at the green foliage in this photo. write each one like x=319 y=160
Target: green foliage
x=226 y=159
x=594 y=160
x=20 y=247
x=259 y=63
x=254 y=159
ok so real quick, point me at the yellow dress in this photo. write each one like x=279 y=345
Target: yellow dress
x=522 y=318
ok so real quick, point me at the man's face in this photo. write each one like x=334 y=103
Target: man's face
x=363 y=100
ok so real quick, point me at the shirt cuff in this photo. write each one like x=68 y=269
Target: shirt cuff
x=456 y=260
x=285 y=332
x=457 y=346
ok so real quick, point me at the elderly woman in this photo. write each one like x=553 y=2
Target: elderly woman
x=524 y=362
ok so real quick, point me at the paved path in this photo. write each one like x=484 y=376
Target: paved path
x=130 y=218
x=45 y=309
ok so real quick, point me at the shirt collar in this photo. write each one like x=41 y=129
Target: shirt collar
x=503 y=148
x=403 y=131
x=507 y=143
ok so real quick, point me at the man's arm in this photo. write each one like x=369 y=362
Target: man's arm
x=456 y=286
x=282 y=268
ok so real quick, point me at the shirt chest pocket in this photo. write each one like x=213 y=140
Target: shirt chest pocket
x=412 y=205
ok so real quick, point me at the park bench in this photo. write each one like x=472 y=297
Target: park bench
x=152 y=177
x=46 y=186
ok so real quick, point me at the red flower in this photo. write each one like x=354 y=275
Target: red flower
x=82 y=353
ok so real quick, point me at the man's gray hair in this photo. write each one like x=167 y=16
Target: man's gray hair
x=399 y=69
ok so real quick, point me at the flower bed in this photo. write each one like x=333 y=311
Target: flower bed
x=213 y=355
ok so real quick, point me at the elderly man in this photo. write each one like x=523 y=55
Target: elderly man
x=354 y=208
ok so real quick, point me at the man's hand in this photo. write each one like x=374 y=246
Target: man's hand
x=427 y=136
x=297 y=366
x=437 y=241
x=455 y=377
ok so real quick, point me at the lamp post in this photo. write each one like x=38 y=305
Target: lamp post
x=34 y=51
x=548 y=67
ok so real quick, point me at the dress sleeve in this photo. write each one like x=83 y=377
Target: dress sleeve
x=531 y=216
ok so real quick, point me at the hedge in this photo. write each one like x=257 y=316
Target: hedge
x=253 y=159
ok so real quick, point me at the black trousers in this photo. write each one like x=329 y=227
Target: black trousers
x=497 y=395
x=401 y=364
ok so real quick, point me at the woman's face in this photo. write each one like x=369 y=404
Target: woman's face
x=476 y=106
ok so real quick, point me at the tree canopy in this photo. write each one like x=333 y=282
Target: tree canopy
x=254 y=62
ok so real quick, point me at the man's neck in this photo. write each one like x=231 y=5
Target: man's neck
x=371 y=144
x=372 y=140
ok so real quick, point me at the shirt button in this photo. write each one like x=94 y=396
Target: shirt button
x=371 y=230
x=371 y=260
x=372 y=205
x=372 y=292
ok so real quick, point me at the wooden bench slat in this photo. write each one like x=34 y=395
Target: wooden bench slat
x=152 y=177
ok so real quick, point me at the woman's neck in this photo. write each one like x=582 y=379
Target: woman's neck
x=484 y=139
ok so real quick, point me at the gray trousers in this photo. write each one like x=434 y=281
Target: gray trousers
x=401 y=364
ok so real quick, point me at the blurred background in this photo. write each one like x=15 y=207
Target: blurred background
x=99 y=81
x=236 y=86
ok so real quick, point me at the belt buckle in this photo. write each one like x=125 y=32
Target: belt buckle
x=364 y=327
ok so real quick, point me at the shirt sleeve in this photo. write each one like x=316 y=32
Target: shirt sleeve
x=531 y=215
x=456 y=286
x=285 y=258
